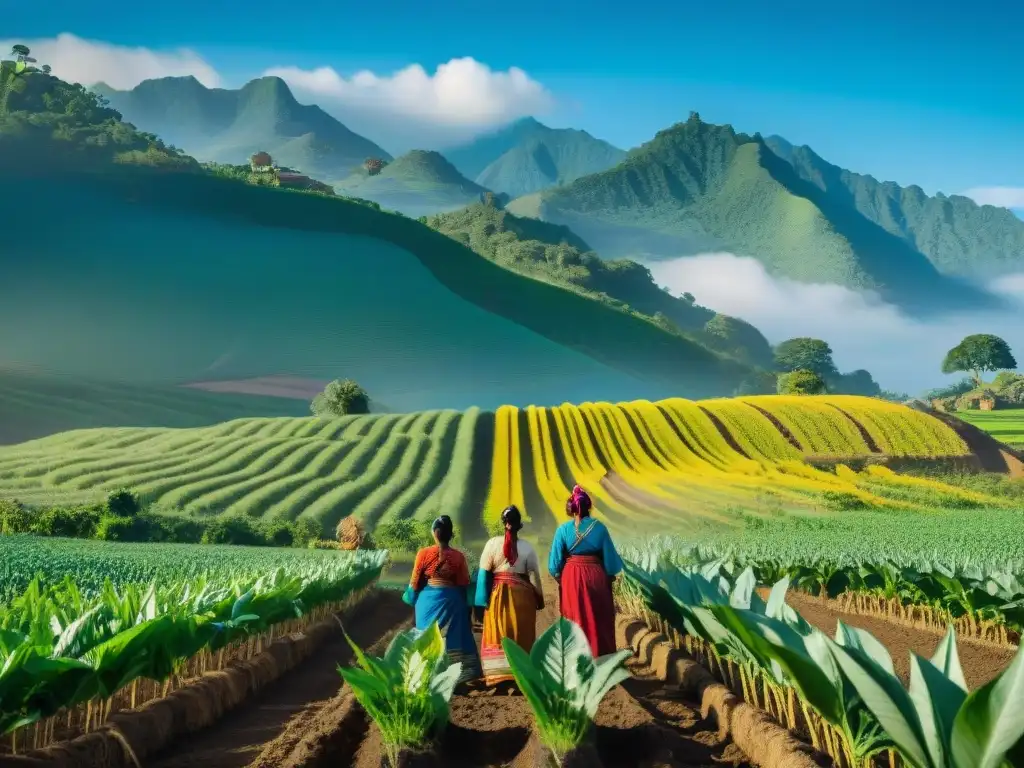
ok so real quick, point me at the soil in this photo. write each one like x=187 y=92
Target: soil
x=980 y=661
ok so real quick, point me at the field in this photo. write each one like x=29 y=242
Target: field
x=1006 y=425
x=675 y=464
x=809 y=490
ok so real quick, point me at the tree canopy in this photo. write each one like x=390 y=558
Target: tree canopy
x=978 y=353
x=801 y=382
x=805 y=354
x=339 y=398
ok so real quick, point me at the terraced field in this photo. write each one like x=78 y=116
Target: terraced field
x=675 y=462
x=1005 y=425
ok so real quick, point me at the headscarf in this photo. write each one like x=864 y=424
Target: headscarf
x=578 y=505
x=513 y=521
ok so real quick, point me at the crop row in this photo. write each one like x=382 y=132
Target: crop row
x=979 y=598
x=842 y=694
x=74 y=652
x=379 y=468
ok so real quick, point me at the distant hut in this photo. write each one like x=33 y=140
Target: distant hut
x=261 y=162
x=292 y=179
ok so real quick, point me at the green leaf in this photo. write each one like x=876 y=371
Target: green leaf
x=947 y=660
x=853 y=637
x=530 y=681
x=991 y=721
x=886 y=699
x=609 y=671
x=937 y=700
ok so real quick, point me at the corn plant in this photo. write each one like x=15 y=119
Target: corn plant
x=407 y=690
x=563 y=683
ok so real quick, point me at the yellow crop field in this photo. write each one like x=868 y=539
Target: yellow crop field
x=661 y=464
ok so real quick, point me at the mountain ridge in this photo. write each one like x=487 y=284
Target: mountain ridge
x=698 y=187
x=228 y=126
x=526 y=156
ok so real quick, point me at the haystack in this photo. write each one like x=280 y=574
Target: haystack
x=351 y=534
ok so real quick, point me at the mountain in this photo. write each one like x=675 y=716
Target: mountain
x=419 y=183
x=555 y=254
x=957 y=235
x=149 y=271
x=698 y=188
x=228 y=126
x=528 y=156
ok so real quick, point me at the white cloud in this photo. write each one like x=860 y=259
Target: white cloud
x=91 y=61
x=864 y=332
x=1002 y=197
x=461 y=93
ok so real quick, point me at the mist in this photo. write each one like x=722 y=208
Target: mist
x=904 y=354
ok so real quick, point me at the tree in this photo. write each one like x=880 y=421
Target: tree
x=859 y=382
x=373 y=165
x=977 y=354
x=801 y=382
x=12 y=73
x=339 y=398
x=805 y=354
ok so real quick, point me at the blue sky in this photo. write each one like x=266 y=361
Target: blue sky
x=906 y=91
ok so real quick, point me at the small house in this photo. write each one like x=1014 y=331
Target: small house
x=261 y=162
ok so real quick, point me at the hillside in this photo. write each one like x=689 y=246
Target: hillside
x=957 y=235
x=228 y=126
x=528 y=156
x=149 y=278
x=557 y=255
x=698 y=187
x=419 y=183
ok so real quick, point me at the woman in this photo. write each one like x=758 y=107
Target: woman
x=437 y=590
x=584 y=563
x=508 y=586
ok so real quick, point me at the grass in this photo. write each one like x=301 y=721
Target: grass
x=1005 y=425
x=34 y=404
x=451 y=328
x=678 y=464
x=90 y=562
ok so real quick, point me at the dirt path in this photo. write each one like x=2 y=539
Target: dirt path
x=287 y=711
x=980 y=661
x=641 y=724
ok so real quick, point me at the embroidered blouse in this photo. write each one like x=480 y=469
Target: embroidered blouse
x=493 y=561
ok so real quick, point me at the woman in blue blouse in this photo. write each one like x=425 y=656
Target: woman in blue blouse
x=584 y=562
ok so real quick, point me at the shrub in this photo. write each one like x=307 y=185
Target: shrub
x=801 y=382
x=121 y=528
x=72 y=522
x=279 y=534
x=123 y=503
x=306 y=529
x=14 y=517
x=407 y=535
x=232 y=530
x=339 y=398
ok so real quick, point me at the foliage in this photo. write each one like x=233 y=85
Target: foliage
x=373 y=165
x=123 y=502
x=800 y=382
x=848 y=682
x=805 y=354
x=62 y=647
x=955 y=389
x=339 y=398
x=563 y=682
x=407 y=690
x=405 y=535
x=978 y=353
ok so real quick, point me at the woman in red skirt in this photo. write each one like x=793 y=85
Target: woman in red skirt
x=584 y=562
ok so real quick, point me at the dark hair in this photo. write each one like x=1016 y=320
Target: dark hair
x=512 y=517
x=444 y=528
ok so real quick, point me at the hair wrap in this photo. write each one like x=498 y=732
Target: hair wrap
x=578 y=505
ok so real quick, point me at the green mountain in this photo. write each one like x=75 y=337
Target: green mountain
x=419 y=183
x=228 y=126
x=698 y=188
x=957 y=235
x=528 y=156
x=153 y=279
x=556 y=255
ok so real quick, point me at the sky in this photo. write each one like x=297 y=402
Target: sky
x=915 y=93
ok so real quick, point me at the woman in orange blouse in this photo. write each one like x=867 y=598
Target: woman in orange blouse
x=438 y=592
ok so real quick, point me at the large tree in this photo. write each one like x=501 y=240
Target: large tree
x=801 y=382
x=805 y=354
x=339 y=398
x=979 y=353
